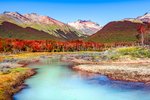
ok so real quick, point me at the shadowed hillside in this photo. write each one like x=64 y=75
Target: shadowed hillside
x=9 y=30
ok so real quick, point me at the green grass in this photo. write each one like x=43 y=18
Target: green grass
x=127 y=52
x=138 y=52
x=13 y=70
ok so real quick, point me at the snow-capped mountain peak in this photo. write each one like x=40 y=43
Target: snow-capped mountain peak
x=86 y=26
x=145 y=17
x=140 y=19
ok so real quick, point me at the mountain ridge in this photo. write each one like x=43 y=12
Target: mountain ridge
x=40 y=22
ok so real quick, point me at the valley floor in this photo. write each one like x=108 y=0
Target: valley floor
x=120 y=64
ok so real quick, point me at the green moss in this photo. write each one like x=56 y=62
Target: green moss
x=1 y=91
x=115 y=57
x=19 y=69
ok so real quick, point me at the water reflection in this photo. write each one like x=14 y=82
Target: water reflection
x=103 y=80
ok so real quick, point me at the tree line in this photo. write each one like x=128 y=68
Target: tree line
x=17 y=45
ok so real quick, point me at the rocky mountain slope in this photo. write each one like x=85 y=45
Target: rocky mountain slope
x=37 y=22
x=86 y=26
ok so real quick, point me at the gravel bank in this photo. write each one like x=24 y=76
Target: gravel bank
x=126 y=72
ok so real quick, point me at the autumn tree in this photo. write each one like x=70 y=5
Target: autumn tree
x=18 y=45
x=142 y=29
x=1 y=47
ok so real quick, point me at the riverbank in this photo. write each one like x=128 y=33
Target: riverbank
x=13 y=72
x=126 y=64
x=13 y=81
x=119 y=71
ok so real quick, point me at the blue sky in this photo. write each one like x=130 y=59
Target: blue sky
x=100 y=11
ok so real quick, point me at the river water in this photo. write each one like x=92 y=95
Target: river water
x=56 y=81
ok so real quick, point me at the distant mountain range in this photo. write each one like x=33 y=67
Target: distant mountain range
x=37 y=27
x=121 y=31
x=86 y=26
x=23 y=25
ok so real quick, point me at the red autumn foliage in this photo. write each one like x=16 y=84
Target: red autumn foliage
x=18 y=45
x=141 y=29
x=1 y=47
x=8 y=45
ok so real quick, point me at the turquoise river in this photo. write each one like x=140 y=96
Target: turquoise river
x=57 y=81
